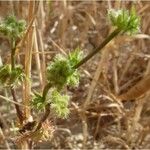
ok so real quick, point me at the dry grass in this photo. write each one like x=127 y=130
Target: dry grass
x=110 y=108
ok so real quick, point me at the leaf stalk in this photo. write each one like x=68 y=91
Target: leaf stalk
x=100 y=47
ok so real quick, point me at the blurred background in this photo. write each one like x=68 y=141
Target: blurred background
x=97 y=119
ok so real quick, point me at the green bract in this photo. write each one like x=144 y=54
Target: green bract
x=12 y=28
x=74 y=57
x=5 y=72
x=38 y=101
x=61 y=72
x=59 y=104
x=124 y=20
x=10 y=77
x=17 y=75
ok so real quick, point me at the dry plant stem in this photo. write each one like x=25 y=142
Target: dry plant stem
x=4 y=122
x=20 y=44
x=137 y=90
x=103 y=44
x=37 y=57
x=140 y=104
x=28 y=57
x=4 y=139
x=97 y=74
x=43 y=63
x=115 y=75
x=41 y=25
x=39 y=125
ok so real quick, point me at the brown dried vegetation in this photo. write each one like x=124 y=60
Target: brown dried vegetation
x=110 y=108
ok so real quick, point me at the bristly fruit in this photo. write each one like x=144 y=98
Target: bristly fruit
x=9 y=77
x=59 y=103
x=61 y=72
x=38 y=101
x=127 y=22
x=12 y=28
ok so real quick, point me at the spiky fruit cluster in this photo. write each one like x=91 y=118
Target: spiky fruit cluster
x=59 y=104
x=127 y=22
x=12 y=28
x=9 y=77
x=61 y=72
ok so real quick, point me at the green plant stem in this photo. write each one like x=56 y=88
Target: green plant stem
x=44 y=117
x=45 y=91
x=84 y=60
x=13 y=54
x=47 y=107
x=102 y=45
x=18 y=110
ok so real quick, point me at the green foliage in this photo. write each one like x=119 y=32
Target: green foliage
x=38 y=102
x=5 y=72
x=10 y=77
x=73 y=80
x=59 y=104
x=61 y=72
x=12 y=28
x=17 y=75
x=74 y=57
x=58 y=71
x=124 y=20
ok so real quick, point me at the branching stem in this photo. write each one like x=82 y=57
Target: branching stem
x=47 y=107
x=45 y=91
x=100 y=47
x=84 y=60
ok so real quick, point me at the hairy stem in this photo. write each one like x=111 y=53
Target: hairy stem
x=44 y=117
x=19 y=112
x=47 y=107
x=102 y=45
x=13 y=47
x=84 y=60
x=45 y=91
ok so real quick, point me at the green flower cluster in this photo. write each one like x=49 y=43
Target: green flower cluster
x=59 y=104
x=9 y=77
x=124 y=20
x=12 y=28
x=61 y=72
x=38 y=102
